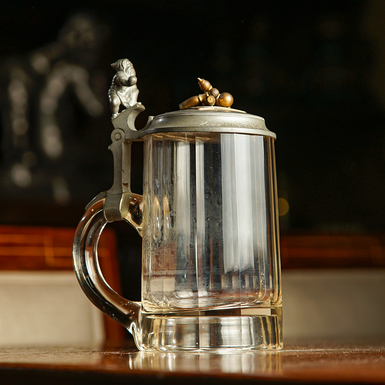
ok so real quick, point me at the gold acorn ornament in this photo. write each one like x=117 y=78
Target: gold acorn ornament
x=204 y=85
x=225 y=99
x=210 y=97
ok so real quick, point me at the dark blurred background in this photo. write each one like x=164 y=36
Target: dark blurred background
x=315 y=70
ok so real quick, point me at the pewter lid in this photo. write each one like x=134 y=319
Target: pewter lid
x=208 y=119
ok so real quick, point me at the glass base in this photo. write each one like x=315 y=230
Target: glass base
x=201 y=332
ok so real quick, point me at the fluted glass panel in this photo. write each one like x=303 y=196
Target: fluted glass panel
x=208 y=222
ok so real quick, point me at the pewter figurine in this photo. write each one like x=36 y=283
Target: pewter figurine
x=123 y=90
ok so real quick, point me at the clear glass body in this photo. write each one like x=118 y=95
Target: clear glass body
x=210 y=230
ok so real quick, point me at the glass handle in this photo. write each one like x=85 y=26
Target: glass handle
x=87 y=269
x=118 y=203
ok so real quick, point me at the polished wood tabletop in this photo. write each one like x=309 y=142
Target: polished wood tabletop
x=324 y=362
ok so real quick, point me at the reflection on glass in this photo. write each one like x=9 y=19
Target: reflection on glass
x=211 y=251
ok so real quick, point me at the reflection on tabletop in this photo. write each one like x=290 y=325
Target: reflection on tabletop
x=347 y=362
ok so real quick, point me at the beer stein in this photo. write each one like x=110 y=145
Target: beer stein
x=208 y=218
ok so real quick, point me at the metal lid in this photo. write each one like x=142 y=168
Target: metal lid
x=208 y=119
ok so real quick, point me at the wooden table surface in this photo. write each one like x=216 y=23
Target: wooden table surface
x=301 y=363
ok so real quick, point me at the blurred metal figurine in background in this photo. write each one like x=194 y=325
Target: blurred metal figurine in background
x=123 y=90
x=40 y=92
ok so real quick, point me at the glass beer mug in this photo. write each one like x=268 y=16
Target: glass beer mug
x=209 y=222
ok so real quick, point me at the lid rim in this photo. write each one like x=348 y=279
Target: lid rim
x=206 y=120
x=214 y=130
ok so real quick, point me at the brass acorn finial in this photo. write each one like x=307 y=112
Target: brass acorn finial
x=210 y=97
x=204 y=85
